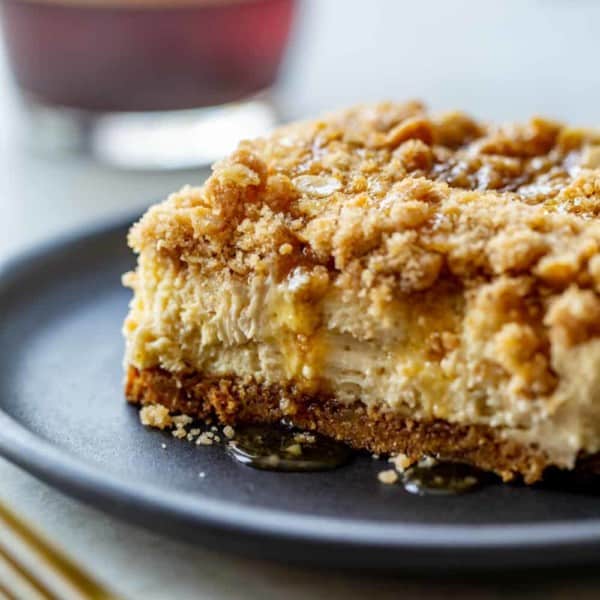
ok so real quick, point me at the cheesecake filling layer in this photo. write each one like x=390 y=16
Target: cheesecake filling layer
x=417 y=356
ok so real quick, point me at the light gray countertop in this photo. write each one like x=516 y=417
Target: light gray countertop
x=499 y=60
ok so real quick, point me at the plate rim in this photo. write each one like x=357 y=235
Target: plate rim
x=76 y=477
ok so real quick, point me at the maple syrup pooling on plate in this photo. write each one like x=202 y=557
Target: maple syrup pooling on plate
x=433 y=478
x=282 y=448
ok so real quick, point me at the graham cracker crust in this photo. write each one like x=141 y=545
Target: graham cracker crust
x=231 y=400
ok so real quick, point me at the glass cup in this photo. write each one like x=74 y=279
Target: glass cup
x=146 y=83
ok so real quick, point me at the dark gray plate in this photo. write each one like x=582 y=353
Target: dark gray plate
x=63 y=418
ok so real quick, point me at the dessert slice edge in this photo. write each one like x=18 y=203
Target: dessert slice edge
x=342 y=276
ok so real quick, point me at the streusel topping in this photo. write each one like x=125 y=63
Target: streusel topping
x=403 y=194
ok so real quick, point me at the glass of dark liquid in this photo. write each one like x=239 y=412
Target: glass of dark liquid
x=147 y=83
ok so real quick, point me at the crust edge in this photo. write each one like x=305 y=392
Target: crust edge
x=231 y=400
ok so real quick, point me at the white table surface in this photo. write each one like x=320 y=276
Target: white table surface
x=499 y=60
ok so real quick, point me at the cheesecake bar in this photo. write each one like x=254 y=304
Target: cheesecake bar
x=407 y=282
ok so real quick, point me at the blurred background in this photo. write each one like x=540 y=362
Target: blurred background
x=497 y=60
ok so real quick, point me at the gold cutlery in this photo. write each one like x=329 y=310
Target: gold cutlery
x=32 y=568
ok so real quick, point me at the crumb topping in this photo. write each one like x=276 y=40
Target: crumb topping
x=396 y=196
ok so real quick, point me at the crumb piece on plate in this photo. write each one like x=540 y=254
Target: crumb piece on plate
x=181 y=420
x=155 y=415
x=204 y=439
x=228 y=432
x=388 y=476
x=401 y=462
